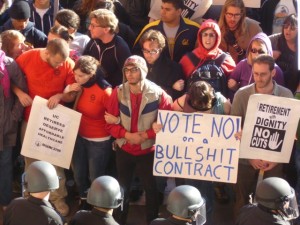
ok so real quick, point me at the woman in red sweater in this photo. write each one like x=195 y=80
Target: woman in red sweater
x=93 y=145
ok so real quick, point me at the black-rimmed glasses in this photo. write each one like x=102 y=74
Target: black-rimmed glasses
x=151 y=52
x=231 y=15
x=131 y=70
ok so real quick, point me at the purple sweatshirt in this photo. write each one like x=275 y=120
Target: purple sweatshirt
x=243 y=70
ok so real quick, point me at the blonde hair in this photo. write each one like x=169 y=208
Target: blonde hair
x=105 y=18
x=8 y=39
x=153 y=36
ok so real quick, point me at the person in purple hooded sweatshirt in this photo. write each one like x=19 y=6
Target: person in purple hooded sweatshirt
x=242 y=74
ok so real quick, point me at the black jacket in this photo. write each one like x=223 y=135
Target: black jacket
x=94 y=217
x=252 y=214
x=111 y=57
x=138 y=11
x=165 y=72
x=31 y=211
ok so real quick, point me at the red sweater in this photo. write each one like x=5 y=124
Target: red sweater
x=92 y=106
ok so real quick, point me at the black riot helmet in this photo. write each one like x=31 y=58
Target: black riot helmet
x=40 y=176
x=105 y=192
x=186 y=202
x=276 y=194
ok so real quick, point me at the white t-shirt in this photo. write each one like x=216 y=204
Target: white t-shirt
x=194 y=9
x=282 y=10
x=79 y=43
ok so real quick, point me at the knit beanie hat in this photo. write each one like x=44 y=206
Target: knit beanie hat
x=19 y=10
x=139 y=62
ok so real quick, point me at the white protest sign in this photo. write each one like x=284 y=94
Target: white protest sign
x=269 y=128
x=197 y=146
x=248 y=3
x=51 y=133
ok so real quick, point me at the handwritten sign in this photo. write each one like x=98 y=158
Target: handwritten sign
x=270 y=127
x=51 y=133
x=248 y=3
x=197 y=146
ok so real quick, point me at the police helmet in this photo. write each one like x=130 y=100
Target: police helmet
x=275 y=193
x=105 y=192
x=40 y=176
x=185 y=201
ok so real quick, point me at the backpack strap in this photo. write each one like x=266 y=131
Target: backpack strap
x=220 y=59
x=194 y=59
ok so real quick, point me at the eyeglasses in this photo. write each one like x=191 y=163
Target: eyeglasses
x=286 y=26
x=93 y=25
x=230 y=15
x=131 y=70
x=211 y=35
x=151 y=52
x=259 y=51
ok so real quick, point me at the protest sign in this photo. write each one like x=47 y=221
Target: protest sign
x=269 y=128
x=51 y=133
x=197 y=146
x=248 y=3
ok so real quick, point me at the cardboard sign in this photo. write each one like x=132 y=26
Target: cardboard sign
x=197 y=146
x=51 y=133
x=270 y=127
x=248 y=3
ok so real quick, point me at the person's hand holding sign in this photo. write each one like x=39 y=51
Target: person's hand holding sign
x=269 y=165
x=257 y=164
x=54 y=101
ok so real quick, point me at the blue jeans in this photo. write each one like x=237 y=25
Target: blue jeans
x=6 y=176
x=90 y=160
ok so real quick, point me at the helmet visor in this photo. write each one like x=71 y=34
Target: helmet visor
x=200 y=214
x=290 y=206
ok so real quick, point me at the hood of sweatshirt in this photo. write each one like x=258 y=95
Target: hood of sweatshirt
x=263 y=38
x=201 y=51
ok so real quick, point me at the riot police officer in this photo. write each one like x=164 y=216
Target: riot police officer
x=275 y=203
x=105 y=195
x=186 y=205
x=39 y=180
